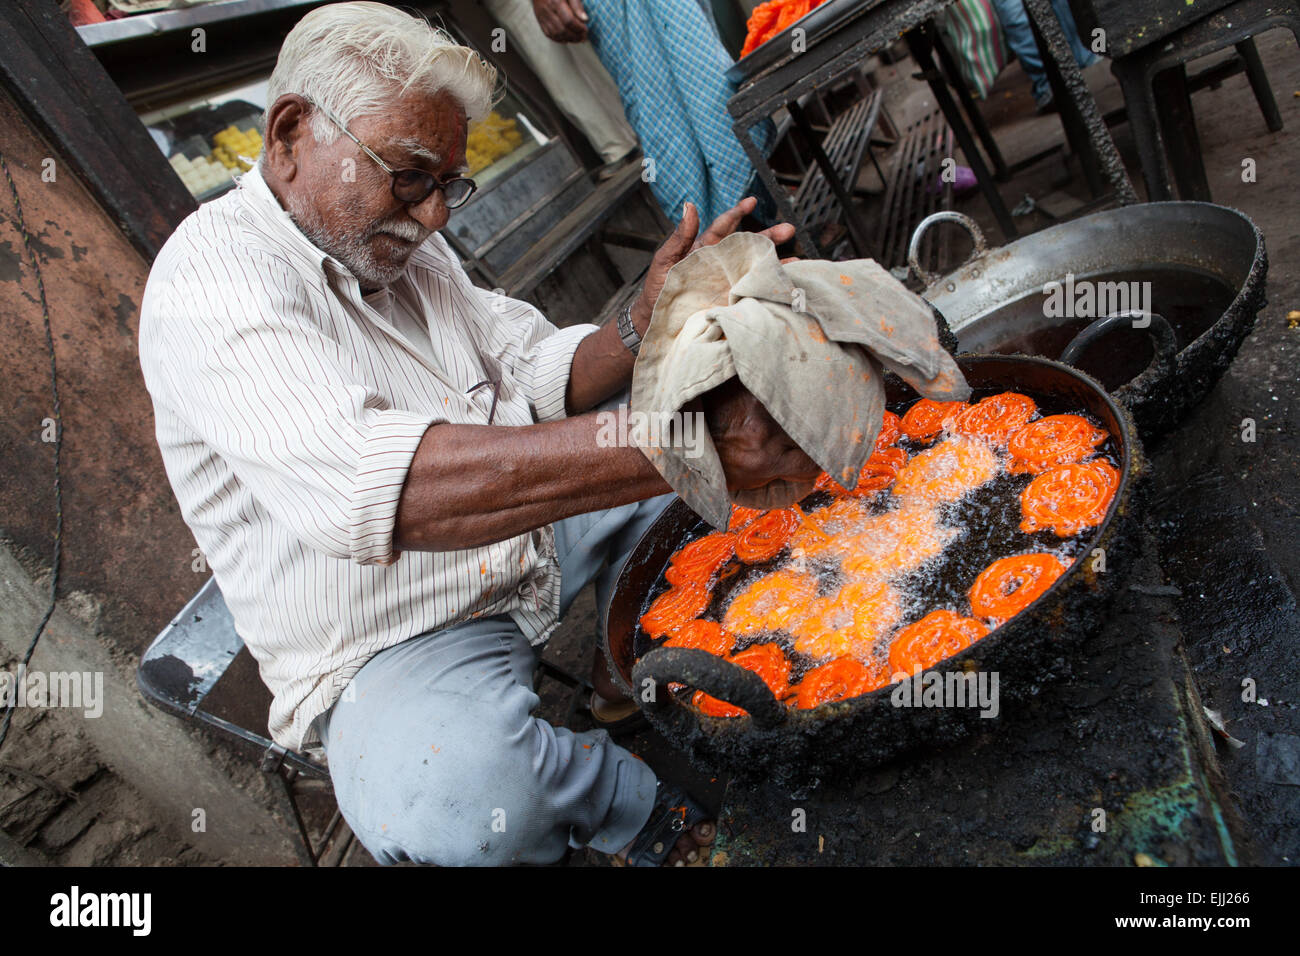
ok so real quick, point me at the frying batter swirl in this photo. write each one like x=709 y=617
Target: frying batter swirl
x=1069 y=498
x=996 y=417
x=1054 y=440
x=1009 y=585
x=935 y=637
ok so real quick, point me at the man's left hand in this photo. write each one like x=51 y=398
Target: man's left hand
x=686 y=238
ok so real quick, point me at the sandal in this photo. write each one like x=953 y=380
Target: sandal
x=674 y=812
x=618 y=725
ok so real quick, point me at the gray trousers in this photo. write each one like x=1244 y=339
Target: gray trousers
x=436 y=757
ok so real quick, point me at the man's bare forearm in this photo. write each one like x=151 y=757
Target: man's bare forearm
x=471 y=485
x=602 y=364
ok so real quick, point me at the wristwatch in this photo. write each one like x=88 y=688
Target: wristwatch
x=627 y=331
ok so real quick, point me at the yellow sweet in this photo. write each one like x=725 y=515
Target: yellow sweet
x=232 y=143
x=489 y=139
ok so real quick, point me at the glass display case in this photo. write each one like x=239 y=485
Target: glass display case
x=205 y=115
x=211 y=140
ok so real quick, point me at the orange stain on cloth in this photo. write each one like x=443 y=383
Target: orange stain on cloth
x=1069 y=498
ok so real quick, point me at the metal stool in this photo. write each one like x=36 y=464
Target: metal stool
x=1154 y=82
x=184 y=663
x=177 y=673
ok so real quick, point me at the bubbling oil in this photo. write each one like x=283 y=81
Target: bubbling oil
x=951 y=542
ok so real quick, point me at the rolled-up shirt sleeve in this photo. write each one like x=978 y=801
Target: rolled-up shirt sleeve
x=234 y=350
x=544 y=370
x=538 y=356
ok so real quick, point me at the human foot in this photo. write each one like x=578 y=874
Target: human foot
x=674 y=812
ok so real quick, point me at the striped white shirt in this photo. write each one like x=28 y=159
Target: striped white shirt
x=288 y=411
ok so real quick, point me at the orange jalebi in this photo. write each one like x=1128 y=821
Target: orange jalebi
x=1009 y=585
x=670 y=610
x=947 y=471
x=896 y=542
x=926 y=419
x=849 y=623
x=703 y=635
x=741 y=516
x=700 y=560
x=889 y=430
x=841 y=679
x=938 y=635
x=1069 y=498
x=877 y=474
x=764 y=537
x=817 y=534
x=771 y=603
x=1054 y=440
x=996 y=418
x=768 y=661
x=712 y=707
x=771 y=18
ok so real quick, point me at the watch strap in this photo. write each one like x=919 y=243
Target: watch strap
x=627 y=331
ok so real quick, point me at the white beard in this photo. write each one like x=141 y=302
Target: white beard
x=352 y=248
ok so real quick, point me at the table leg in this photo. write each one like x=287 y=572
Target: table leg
x=919 y=44
x=779 y=193
x=1076 y=130
x=857 y=229
x=981 y=128
x=1056 y=49
x=1259 y=84
x=1178 y=129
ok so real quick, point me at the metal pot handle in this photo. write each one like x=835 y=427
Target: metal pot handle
x=914 y=247
x=1163 y=341
x=711 y=674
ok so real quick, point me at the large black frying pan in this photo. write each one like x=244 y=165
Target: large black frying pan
x=795 y=746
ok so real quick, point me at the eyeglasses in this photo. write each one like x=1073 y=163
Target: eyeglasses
x=410 y=185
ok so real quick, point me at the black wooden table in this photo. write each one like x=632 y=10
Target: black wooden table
x=793 y=65
x=1151 y=41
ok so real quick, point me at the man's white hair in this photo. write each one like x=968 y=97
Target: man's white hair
x=356 y=58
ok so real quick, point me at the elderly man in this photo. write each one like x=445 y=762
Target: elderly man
x=389 y=469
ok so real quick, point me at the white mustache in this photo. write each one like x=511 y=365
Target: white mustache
x=403 y=229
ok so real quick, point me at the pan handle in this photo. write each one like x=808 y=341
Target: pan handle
x=1163 y=341
x=711 y=674
x=914 y=247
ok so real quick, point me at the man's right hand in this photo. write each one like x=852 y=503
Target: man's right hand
x=564 y=21
x=754 y=449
